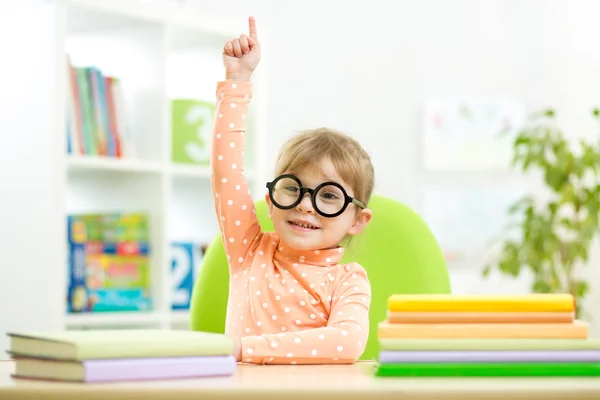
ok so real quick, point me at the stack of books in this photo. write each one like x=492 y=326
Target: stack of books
x=485 y=335
x=120 y=355
x=98 y=122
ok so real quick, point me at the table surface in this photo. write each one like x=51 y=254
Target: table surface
x=312 y=382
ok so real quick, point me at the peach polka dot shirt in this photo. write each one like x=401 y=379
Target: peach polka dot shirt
x=287 y=306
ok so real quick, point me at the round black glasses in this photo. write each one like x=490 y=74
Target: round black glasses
x=329 y=199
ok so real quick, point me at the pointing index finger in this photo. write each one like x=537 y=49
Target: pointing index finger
x=252 y=28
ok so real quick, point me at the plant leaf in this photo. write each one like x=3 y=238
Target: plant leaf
x=580 y=288
x=541 y=286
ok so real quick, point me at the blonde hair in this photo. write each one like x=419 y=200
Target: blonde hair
x=309 y=149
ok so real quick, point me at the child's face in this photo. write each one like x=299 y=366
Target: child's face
x=322 y=232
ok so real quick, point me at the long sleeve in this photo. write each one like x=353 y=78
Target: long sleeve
x=233 y=203
x=342 y=341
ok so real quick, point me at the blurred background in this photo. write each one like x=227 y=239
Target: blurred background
x=106 y=110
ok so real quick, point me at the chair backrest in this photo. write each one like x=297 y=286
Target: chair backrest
x=397 y=248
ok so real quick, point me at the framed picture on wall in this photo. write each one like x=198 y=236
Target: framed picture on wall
x=466 y=133
x=469 y=219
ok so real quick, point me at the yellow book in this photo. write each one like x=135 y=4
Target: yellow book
x=481 y=303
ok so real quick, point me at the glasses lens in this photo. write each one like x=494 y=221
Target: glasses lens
x=330 y=199
x=285 y=192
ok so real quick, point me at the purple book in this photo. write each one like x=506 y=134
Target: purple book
x=477 y=356
x=132 y=369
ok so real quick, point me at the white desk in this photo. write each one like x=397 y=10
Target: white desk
x=308 y=383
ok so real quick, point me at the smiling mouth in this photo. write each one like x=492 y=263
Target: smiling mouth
x=304 y=226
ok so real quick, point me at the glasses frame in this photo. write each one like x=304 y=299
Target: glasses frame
x=313 y=194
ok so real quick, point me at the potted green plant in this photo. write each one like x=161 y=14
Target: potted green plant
x=552 y=238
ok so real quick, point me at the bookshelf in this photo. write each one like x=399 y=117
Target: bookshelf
x=159 y=51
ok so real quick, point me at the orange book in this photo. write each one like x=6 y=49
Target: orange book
x=433 y=317
x=576 y=330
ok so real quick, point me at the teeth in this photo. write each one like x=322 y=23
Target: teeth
x=304 y=225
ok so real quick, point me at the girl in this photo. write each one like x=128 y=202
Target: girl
x=291 y=301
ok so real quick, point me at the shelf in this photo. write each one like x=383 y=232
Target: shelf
x=125 y=319
x=92 y=163
x=180 y=317
x=159 y=50
x=120 y=319
x=76 y=163
x=197 y=171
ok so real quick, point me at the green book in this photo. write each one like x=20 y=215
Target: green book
x=519 y=369
x=488 y=344
x=120 y=343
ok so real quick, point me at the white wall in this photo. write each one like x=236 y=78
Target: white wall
x=27 y=240
x=366 y=68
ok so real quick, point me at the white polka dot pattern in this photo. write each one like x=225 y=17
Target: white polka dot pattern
x=227 y=173
x=287 y=306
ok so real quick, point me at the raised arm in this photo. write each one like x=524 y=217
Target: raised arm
x=342 y=341
x=233 y=203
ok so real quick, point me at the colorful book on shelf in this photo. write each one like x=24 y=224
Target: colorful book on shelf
x=97 y=119
x=117 y=355
x=109 y=257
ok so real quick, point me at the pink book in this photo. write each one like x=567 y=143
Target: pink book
x=118 y=370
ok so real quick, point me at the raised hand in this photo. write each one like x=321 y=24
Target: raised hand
x=241 y=55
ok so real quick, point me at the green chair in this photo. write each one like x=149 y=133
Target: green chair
x=397 y=249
